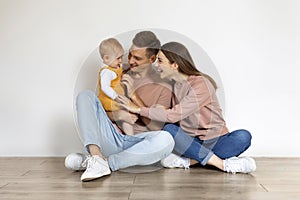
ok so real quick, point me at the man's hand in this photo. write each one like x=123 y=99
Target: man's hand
x=128 y=104
x=123 y=115
x=128 y=82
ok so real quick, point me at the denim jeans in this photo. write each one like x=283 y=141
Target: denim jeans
x=225 y=146
x=122 y=150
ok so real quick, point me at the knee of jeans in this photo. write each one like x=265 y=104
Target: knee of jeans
x=245 y=137
x=171 y=129
x=166 y=139
x=84 y=95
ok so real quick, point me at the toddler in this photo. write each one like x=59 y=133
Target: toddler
x=109 y=78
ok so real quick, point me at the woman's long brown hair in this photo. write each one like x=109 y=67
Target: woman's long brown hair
x=178 y=53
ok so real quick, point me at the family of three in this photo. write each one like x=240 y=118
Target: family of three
x=166 y=111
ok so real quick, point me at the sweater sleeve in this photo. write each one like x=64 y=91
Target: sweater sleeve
x=198 y=96
x=164 y=98
x=106 y=76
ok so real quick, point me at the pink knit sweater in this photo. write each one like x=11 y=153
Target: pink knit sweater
x=195 y=107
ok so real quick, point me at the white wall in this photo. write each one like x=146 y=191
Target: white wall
x=254 y=45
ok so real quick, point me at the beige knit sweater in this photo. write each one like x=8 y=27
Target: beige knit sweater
x=195 y=108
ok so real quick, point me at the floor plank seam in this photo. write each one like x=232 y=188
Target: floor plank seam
x=129 y=195
x=26 y=173
x=43 y=162
x=4 y=186
x=264 y=187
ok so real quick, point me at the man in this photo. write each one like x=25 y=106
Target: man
x=110 y=150
x=144 y=85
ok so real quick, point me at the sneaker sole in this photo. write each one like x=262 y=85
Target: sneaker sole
x=252 y=161
x=167 y=163
x=95 y=177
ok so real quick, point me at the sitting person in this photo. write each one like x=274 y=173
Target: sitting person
x=196 y=121
x=108 y=149
x=109 y=78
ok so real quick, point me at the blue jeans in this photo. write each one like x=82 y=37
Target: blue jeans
x=225 y=146
x=122 y=150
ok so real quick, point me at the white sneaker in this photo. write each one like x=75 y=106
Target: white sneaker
x=175 y=161
x=74 y=161
x=96 y=167
x=242 y=165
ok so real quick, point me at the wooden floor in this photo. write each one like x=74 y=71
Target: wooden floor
x=46 y=178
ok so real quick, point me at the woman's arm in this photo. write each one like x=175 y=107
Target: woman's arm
x=133 y=108
x=198 y=95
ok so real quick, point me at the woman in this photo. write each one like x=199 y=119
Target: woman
x=196 y=121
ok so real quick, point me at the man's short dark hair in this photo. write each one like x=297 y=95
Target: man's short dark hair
x=148 y=40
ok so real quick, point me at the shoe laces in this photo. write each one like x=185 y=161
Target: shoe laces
x=89 y=162
x=234 y=165
x=186 y=166
x=181 y=162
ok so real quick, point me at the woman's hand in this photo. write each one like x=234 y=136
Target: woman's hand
x=128 y=104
